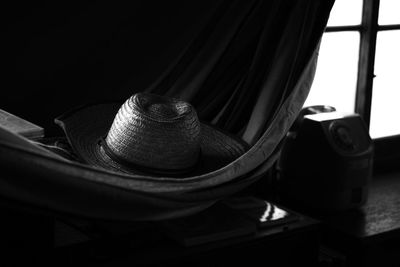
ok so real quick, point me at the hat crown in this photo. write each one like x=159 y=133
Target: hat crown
x=155 y=132
x=160 y=108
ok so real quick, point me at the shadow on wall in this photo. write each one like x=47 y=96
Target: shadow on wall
x=59 y=55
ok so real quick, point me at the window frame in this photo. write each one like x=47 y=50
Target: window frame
x=387 y=149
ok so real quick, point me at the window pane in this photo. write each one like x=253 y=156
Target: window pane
x=385 y=109
x=345 y=12
x=389 y=12
x=336 y=76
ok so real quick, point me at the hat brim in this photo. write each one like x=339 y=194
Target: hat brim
x=86 y=126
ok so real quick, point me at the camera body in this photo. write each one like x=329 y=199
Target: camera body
x=326 y=162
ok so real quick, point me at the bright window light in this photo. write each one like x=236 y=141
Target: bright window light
x=336 y=76
x=385 y=109
x=389 y=12
x=345 y=12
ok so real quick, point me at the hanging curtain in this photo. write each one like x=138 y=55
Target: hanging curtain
x=248 y=71
x=246 y=61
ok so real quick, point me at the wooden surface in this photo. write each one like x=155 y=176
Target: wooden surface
x=119 y=243
x=20 y=126
x=379 y=219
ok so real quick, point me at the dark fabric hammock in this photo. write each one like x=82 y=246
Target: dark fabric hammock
x=248 y=71
x=246 y=61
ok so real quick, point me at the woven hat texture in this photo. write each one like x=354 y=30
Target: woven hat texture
x=149 y=134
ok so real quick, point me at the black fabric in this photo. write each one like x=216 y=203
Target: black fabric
x=227 y=72
x=246 y=66
x=58 y=55
x=66 y=191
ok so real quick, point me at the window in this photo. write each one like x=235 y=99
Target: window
x=359 y=64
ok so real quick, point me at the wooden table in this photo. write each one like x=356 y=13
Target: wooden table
x=113 y=244
x=30 y=237
x=369 y=236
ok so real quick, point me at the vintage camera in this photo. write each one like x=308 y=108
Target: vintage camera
x=326 y=161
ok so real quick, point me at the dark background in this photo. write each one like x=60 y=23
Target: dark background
x=59 y=55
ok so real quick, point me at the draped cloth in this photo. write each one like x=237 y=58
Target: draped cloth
x=248 y=71
x=246 y=61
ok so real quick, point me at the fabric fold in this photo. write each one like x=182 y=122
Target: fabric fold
x=248 y=72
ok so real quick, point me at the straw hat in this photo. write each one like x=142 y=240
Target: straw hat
x=149 y=135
